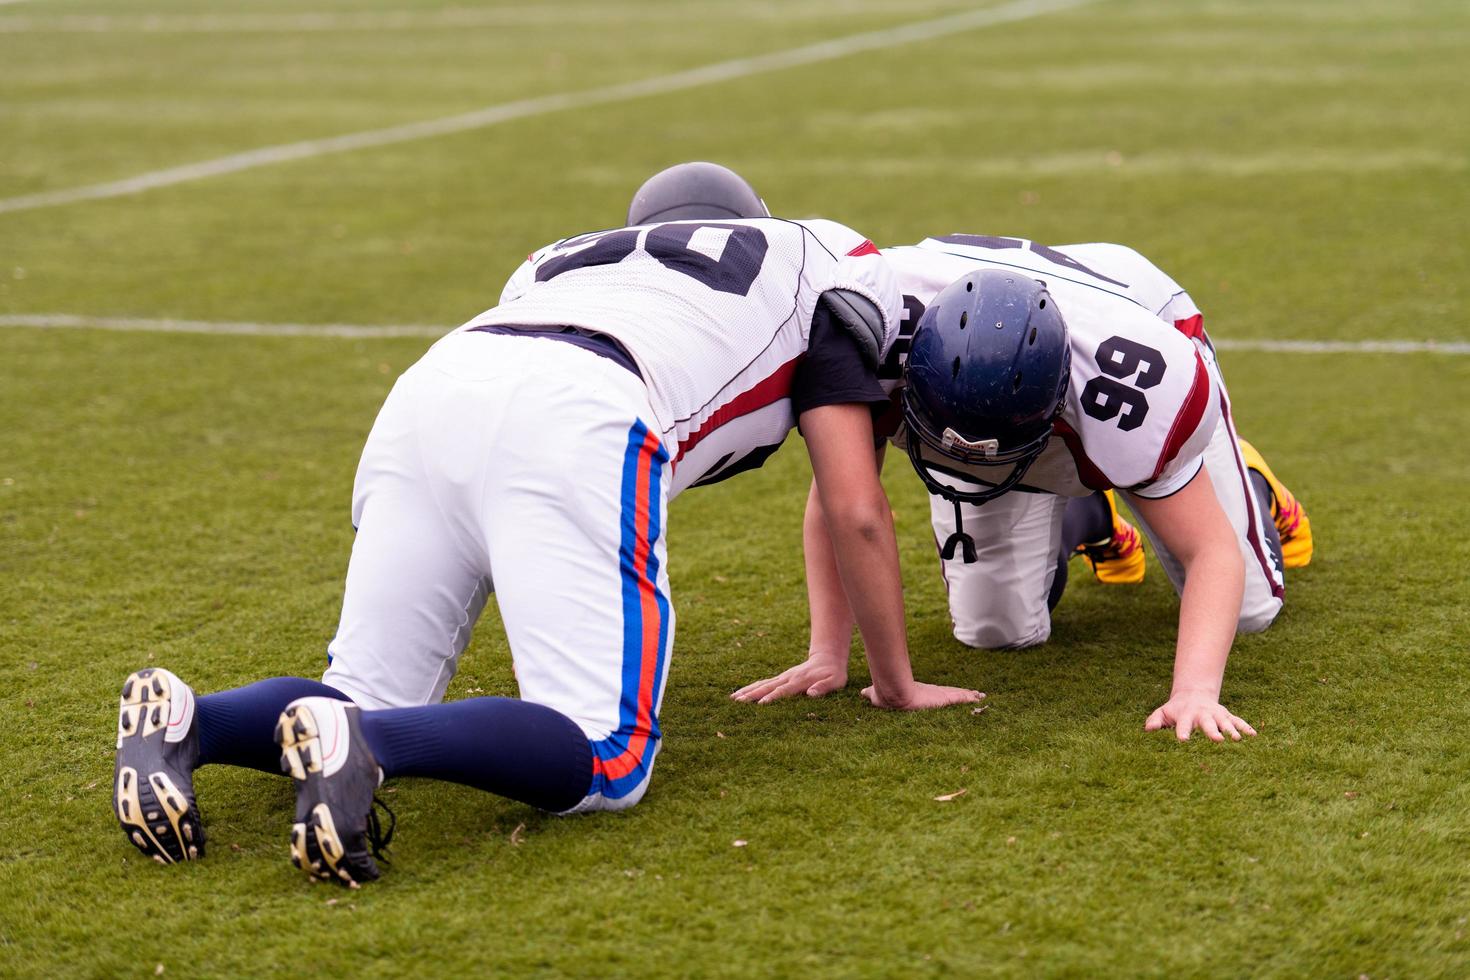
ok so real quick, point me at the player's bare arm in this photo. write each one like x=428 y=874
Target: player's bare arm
x=1194 y=527
x=825 y=668
x=864 y=557
x=832 y=620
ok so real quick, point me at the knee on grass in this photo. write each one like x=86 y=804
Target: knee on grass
x=1259 y=619
x=1001 y=634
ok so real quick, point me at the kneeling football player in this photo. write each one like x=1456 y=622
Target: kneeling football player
x=1039 y=423
x=532 y=454
x=1034 y=381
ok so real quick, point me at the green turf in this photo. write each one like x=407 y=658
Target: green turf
x=183 y=500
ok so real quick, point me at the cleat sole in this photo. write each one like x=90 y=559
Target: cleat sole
x=297 y=732
x=156 y=815
x=317 y=845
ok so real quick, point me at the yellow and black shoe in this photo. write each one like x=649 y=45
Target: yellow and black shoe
x=323 y=750
x=1117 y=559
x=1288 y=514
x=153 y=778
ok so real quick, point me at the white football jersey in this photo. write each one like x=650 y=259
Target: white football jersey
x=1141 y=405
x=716 y=314
x=1149 y=285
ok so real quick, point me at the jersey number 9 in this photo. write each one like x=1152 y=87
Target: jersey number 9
x=1106 y=397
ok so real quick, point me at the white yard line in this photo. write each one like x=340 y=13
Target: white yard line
x=1347 y=346
x=66 y=321
x=1106 y=164
x=722 y=71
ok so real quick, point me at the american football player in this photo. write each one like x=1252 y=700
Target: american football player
x=1040 y=424
x=531 y=454
x=1034 y=382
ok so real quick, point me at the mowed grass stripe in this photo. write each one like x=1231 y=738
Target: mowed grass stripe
x=541 y=105
x=354 y=331
x=213 y=536
x=183 y=500
x=1107 y=163
x=451 y=18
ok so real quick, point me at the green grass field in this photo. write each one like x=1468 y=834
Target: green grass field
x=181 y=499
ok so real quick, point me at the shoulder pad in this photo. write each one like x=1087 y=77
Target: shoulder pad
x=862 y=318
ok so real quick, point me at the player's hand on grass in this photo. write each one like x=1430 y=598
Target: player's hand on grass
x=919 y=696
x=1185 y=712
x=815 y=677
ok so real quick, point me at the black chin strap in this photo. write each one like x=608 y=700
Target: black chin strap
x=959 y=537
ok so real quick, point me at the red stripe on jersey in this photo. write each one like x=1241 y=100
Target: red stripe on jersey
x=775 y=387
x=1193 y=327
x=866 y=248
x=1092 y=477
x=1188 y=418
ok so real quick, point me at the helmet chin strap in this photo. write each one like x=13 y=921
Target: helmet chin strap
x=959 y=537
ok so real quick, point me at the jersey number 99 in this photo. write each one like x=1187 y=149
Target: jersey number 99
x=1106 y=397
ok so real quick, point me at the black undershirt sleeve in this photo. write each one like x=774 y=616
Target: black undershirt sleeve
x=834 y=370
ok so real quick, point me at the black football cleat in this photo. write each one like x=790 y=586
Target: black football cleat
x=323 y=750
x=157 y=752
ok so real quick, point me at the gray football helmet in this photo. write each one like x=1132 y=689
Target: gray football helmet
x=695 y=190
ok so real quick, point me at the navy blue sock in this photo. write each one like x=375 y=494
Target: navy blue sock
x=1058 y=582
x=237 y=727
x=1085 y=519
x=524 y=751
x=1263 y=498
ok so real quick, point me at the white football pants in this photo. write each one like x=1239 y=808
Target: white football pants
x=999 y=602
x=529 y=468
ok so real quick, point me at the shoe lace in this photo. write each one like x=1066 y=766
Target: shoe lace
x=378 y=840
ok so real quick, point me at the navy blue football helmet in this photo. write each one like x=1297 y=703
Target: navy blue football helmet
x=695 y=190
x=986 y=376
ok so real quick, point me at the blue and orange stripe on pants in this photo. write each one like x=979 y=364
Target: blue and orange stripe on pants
x=620 y=762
